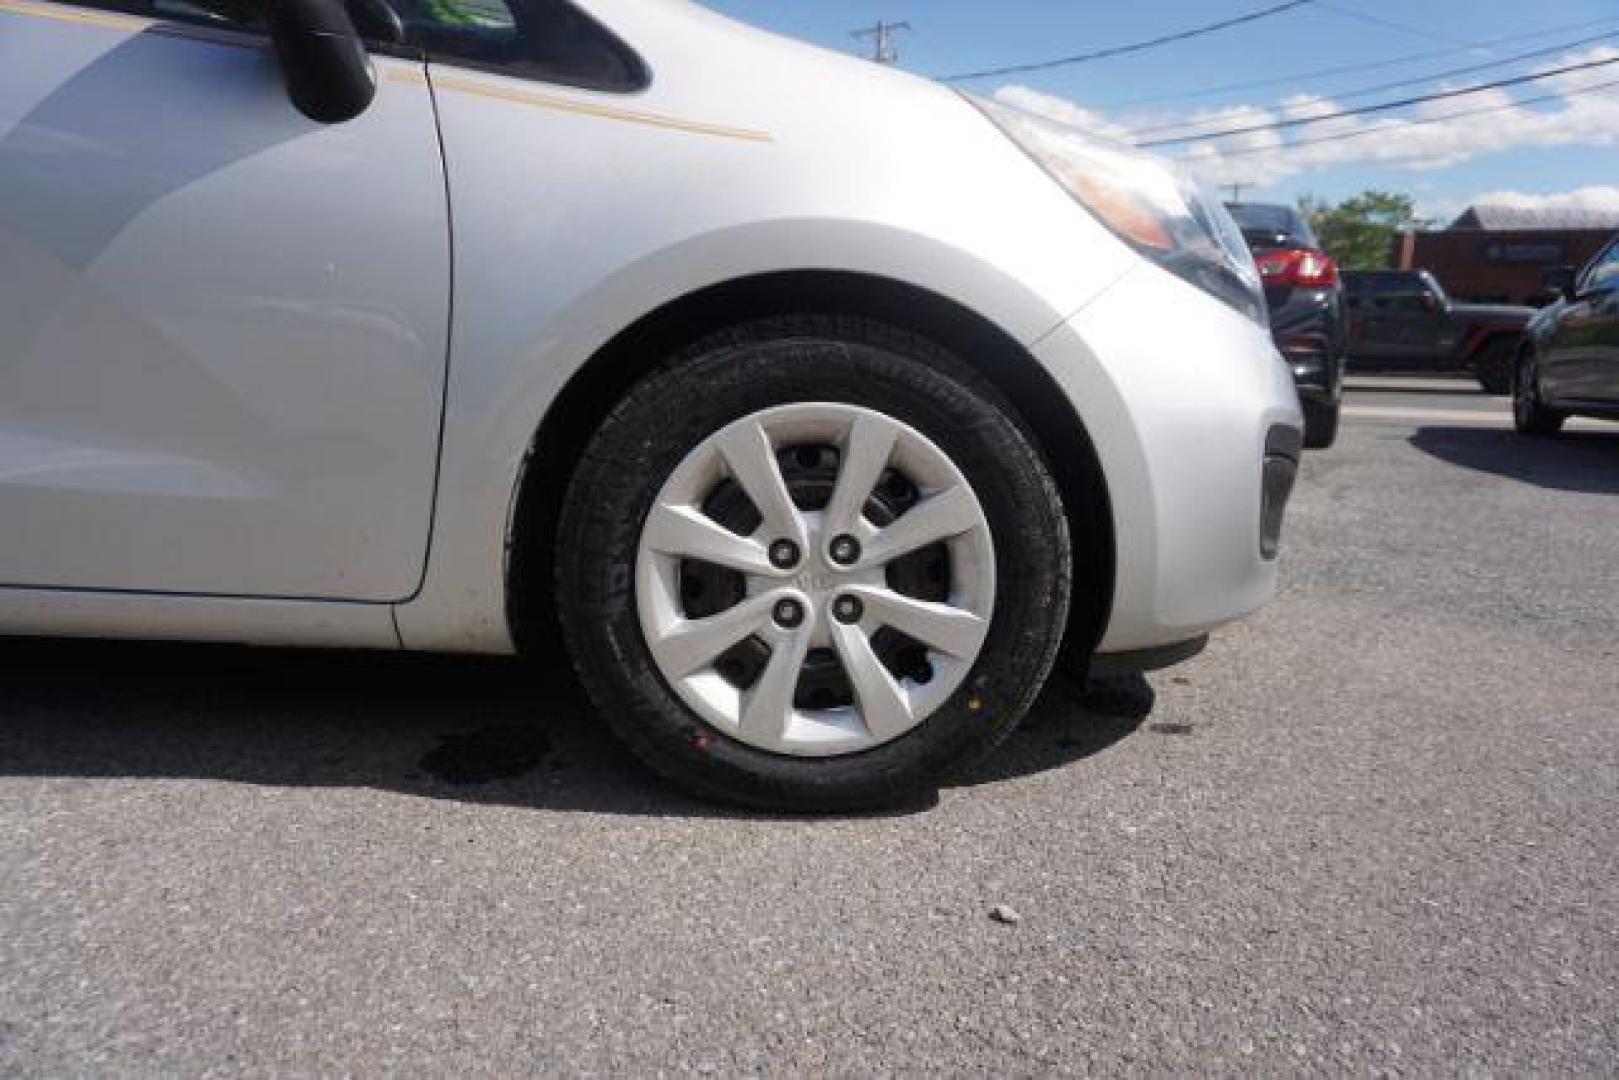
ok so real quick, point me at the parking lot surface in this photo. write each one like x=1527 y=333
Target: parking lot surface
x=1372 y=829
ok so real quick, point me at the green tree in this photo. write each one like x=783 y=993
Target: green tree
x=1359 y=232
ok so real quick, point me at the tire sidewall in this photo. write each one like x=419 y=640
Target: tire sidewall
x=1321 y=424
x=1529 y=414
x=665 y=418
x=1495 y=367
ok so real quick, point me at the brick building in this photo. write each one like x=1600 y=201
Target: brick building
x=1497 y=254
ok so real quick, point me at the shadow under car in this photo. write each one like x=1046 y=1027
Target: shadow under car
x=477 y=730
x=1586 y=462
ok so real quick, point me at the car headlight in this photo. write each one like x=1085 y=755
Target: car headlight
x=1148 y=202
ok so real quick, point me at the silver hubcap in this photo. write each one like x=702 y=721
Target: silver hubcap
x=815 y=579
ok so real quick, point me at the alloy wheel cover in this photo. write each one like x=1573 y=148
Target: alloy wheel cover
x=815 y=604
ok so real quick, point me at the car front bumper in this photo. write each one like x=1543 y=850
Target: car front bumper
x=1196 y=422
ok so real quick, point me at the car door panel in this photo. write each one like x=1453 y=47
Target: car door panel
x=1377 y=332
x=1604 y=369
x=223 y=327
x=1421 y=324
x=1564 y=355
x=1584 y=357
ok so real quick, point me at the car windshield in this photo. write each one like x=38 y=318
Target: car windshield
x=1264 y=225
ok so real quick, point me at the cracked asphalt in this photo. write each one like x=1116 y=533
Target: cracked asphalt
x=1372 y=829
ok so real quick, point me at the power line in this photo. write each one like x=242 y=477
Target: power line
x=1385 y=106
x=1470 y=69
x=1133 y=47
x=1404 y=28
x=1401 y=122
x=1349 y=69
x=1380 y=87
x=884 y=50
x=1279 y=80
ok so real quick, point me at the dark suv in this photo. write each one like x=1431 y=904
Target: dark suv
x=1401 y=320
x=1306 y=309
x=1569 y=363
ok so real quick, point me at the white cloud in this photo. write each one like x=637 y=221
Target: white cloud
x=1602 y=197
x=1063 y=110
x=1583 y=119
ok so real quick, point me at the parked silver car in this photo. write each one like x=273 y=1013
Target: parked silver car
x=811 y=406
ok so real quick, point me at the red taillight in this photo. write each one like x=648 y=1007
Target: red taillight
x=1309 y=269
x=1316 y=270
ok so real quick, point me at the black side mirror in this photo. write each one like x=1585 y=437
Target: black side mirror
x=328 y=74
x=1429 y=302
x=1560 y=280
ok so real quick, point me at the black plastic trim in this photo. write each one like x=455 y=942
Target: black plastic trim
x=641 y=81
x=1286 y=440
x=1154 y=659
x=1284 y=446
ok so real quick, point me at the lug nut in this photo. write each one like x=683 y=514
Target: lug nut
x=784 y=554
x=789 y=613
x=845 y=550
x=848 y=609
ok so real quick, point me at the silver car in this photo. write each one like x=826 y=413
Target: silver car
x=810 y=406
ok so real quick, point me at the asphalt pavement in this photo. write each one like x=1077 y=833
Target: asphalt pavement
x=1372 y=829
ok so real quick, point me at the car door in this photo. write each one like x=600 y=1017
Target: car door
x=1379 y=319
x=1411 y=317
x=1430 y=331
x=1581 y=360
x=223 y=326
x=1390 y=304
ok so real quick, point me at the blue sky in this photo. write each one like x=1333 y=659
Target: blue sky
x=1558 y=150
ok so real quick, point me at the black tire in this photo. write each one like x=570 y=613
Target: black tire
x=1529 y=415
x=738 y=373
x=1494 y=368
x=1321 y=424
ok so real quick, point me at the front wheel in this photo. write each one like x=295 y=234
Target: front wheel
x=1321 y=424
x=1495 y=368
x=812 y=565
x=1529 y=415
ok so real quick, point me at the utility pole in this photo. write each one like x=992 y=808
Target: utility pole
x=882 y=35
x=1236 y=191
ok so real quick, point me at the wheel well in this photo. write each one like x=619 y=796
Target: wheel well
x=602 y=382
x=1490 y=336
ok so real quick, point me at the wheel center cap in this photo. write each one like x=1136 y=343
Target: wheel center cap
x=818 y=578
x=816 y=582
